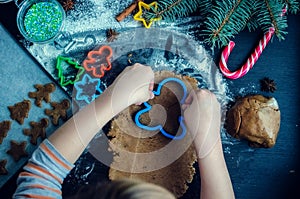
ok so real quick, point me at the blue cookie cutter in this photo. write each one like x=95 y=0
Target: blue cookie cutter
x=148 y=108
x=80 y=86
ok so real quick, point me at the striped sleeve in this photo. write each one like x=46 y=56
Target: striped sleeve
x=44 y=173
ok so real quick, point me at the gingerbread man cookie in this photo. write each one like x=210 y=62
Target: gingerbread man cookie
x=4 y=128
x=38 y=129
x=20 y=111
x=43 y=93
x=59 y=110
x=3 y=170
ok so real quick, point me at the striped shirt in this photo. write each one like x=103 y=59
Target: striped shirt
x=44 y=174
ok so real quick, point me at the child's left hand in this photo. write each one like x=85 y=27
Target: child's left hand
x=133 y=86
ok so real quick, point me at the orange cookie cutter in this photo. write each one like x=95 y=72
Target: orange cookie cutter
x=91 y=63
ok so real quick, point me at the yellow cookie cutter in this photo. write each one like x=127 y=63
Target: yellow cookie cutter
x=138 y=15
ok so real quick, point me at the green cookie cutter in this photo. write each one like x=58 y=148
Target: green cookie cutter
x=61 y=76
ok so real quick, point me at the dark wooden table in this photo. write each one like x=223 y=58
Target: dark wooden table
x=270 y=173
x=255 y=173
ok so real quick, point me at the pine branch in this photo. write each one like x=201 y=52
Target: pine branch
x=205 y=7
x=170 y=10
x=226 y=19
x=269 y=15
x=252 y=23
x=293 y=5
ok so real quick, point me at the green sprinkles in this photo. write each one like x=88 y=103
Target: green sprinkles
x=42 y=21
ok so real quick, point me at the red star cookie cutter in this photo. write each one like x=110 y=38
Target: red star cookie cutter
x=98 y=61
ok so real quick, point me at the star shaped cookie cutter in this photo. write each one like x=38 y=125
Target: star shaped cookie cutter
x=82 y=93
x=91 y=64
x=139 y=15
x=148 y=108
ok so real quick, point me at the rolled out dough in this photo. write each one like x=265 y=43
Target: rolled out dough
x=147 y=155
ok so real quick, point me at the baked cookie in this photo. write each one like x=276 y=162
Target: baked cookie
x=17 y=150
x=59 y=110
x=4 y=128
x=20 y=111
x=38 y=129
x=3 y=170
x=148 y=155
x=43 y=93
x=254 y=118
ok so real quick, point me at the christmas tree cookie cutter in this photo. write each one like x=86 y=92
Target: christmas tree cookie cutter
x=83 y=92
x=61 y=76
x=94 y=61
x=139 y=15
x=148 y=107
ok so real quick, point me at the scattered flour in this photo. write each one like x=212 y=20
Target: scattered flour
x=171 y=47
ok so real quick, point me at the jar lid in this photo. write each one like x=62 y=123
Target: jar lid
x=40 y=21
x=5 y=1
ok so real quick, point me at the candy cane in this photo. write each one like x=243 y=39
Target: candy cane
x=250 y=61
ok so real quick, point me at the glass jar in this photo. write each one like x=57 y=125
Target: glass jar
x=40 y=21
x=5 y=1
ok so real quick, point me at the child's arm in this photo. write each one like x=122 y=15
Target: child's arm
x=43 y=174
x=52 y=161
x=202 y=117
x=131 y=86
x=215 y=180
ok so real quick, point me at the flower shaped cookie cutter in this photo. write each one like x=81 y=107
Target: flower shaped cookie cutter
x=94 y=62
x=148 y=108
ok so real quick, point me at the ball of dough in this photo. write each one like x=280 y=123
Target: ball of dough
x=254 y=118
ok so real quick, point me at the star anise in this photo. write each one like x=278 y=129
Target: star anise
x=111 y=35
x=268 y=85
x=68 y=4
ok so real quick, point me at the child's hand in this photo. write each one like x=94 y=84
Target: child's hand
x=202 y=117
x=133 y=86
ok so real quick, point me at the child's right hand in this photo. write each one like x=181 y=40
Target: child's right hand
x=202 y=117
x=133 y=86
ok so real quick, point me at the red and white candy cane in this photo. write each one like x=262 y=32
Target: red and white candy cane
x=250 y=61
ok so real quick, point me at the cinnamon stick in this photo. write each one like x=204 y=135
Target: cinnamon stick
x=127 y=11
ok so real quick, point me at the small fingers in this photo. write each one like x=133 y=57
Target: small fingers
x=139 y=103
x=188 y=101
x=137 y=65
x=190 y=97
x=184 y=107
x=151 y=95
x=150 y=90
x=151 y=85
